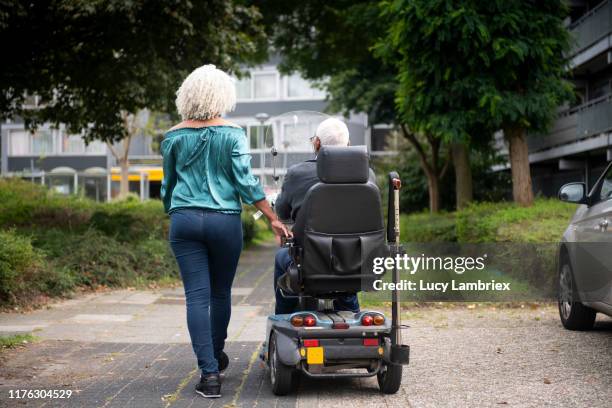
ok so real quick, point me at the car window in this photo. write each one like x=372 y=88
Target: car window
x=605 y=193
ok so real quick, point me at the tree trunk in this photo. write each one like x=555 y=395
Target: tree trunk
x=433 y=188
x=430 y=167
x=124 y=184
x=522 y=191
x=463 y=175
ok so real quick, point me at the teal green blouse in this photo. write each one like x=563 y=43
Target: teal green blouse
x=208 y=168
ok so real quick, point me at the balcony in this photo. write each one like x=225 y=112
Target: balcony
x=580 y=122
x=592 y=27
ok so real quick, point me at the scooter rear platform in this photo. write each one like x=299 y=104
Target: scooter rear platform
x=336 y=341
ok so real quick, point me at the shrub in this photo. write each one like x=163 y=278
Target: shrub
x=545 y=221
x=131 y=220
x=426 y=227
x=57 y=243
x=249 y=227
x=94 y=259
x=24 y=272
x=18 y=259
x=524 y=238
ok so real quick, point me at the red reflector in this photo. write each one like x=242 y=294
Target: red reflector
x=370 y=342
x=311 y=343
x=309 y=321
x=342 y=325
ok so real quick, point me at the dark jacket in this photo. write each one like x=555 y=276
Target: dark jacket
x=298 y=180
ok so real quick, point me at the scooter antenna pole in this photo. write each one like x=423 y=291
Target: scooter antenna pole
x=274 y=176
x=393 y=236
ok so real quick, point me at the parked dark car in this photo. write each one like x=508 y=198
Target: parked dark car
x=585 y=254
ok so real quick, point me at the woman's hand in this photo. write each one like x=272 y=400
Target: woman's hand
x=278 y=227
x=280 y=230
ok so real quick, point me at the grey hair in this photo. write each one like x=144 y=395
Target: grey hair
x=333 y=132
x=206 y=93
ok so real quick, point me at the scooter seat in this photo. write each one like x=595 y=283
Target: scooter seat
x=340 y=227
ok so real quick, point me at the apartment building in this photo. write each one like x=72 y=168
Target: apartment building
x=580 y=141
x=63 y=162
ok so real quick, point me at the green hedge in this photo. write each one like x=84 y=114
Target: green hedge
x=545 y=221
x=426 y=227
x=25 y=273
x=525 y=238
x=51 y=244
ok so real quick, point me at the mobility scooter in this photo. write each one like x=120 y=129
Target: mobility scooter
x=338 y=232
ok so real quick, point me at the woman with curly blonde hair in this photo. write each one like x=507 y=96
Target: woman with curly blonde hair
x=207 y=177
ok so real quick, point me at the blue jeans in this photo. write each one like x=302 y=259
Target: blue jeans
x=207 y=247
x=285 y=305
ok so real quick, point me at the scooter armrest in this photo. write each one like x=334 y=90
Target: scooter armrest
x=289 y=282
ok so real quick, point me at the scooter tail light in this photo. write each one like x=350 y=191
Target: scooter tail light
x=340 y=325
x=378 y=320
x=367 y=320
x=297 y=321
x=311 y=343
x=309 y=321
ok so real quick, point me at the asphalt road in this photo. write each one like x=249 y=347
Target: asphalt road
x=131 y=349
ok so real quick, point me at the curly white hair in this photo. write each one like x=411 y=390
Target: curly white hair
x=206 y=93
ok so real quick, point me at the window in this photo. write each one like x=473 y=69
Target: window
x=24 y=143
x=96 y=146
x=243 y=88
x=606 y=186
x=265 y=85
x=599 y=89
x=42 y=142
x=298 y=87
x=19 y=141
x=72 y=144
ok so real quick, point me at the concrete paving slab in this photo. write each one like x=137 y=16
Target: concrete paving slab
x=101 y=318
x=21 y=328
x=140 y=298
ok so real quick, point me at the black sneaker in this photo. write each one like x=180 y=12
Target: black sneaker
x=209 y=386
x=223 y=361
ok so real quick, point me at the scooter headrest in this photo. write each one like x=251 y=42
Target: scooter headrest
x=343 y=165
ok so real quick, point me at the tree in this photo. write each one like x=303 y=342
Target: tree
x=470 y=64
x=96 y=64
x=332 y=41
x=133 y=123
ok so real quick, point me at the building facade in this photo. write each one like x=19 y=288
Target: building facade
x=63 y=162
x=580 y=141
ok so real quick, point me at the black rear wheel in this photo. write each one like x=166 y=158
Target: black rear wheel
x=281 y=375
x=390 y=378
x=574 y=315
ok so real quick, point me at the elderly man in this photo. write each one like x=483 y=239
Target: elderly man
x=298 y=180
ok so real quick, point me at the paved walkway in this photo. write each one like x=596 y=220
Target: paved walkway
x=131 y=349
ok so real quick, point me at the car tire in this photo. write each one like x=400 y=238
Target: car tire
x=574 y=315
x=281 y=375
x=390 y=378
